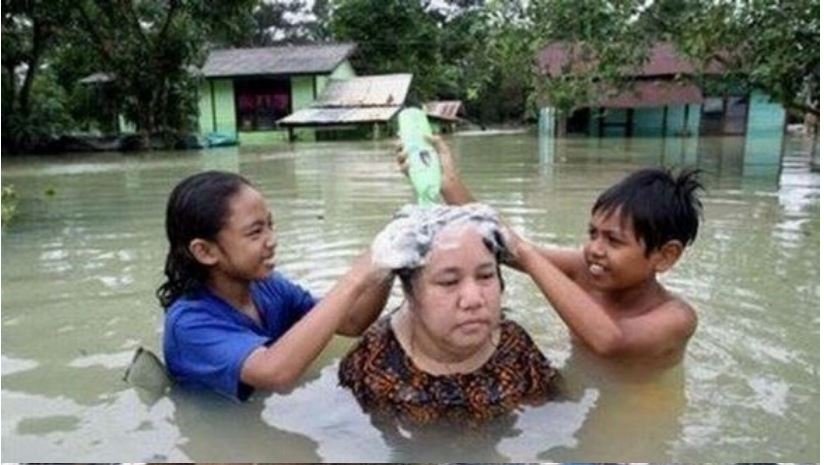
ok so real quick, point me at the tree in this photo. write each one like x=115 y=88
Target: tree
x=770 y=45
x=153 y=50
x=393 y=36
x=472 y=50
x=30 y=30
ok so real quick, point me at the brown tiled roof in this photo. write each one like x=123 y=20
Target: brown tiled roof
x=663 y=60
x=298 y=59
x=654 y=93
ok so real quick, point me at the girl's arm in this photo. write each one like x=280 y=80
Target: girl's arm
x=367 y=308
x=279 y=366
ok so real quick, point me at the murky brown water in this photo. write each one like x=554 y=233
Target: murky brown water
x=80 y=267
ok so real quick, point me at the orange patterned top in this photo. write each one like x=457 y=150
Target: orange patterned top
x=384 y=379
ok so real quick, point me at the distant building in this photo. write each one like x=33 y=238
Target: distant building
x=444 y=115
x=246 y=91
x=663 y=101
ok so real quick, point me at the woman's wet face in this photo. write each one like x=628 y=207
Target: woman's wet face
x=457 y=294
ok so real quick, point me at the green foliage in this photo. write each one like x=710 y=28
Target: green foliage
x=393 y=36
x=470 y=50
x=9 y=205
x=479 y=51
x=152 y=48
x=771 y=45
x=33 y=106
x=46 y=118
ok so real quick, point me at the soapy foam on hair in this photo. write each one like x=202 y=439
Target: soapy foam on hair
x=406 y=241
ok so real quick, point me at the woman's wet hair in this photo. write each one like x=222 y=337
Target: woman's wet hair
x=408 y=276
x=405 y=243
x=198 y=208
x=660 y=206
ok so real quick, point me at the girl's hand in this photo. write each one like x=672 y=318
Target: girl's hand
x=367 y=270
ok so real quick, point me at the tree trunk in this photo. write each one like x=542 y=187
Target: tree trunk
x=38 y=47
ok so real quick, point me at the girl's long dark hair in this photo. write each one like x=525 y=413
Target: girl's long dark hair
x=197 y=208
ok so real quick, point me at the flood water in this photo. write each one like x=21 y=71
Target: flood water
x=82 y=260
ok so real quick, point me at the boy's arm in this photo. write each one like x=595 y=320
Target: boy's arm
x=569 y=261
x=455 y=192
x=655 y=333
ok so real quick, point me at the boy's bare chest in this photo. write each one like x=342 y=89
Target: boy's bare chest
x=619 y=307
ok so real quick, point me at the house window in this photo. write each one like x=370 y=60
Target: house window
x=261 y=102
x=725 y=115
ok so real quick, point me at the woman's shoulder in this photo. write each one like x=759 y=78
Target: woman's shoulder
x=516 y=341
x=369 y=355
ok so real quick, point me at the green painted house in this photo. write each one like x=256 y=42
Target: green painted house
x=245 y=92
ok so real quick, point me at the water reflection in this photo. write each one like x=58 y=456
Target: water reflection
x=80 y=268
x=217 y=430
x=654 y=401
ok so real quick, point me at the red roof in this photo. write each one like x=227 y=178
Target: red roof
x=663 y=60
x=653 y=94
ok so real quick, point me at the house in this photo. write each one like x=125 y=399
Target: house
x=272 y=94
x=444 y=115
x=662 y=100
x=246 y=91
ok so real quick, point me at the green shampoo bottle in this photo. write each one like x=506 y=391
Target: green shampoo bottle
x=424 y=164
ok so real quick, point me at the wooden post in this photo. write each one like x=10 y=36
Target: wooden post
x=628 y=122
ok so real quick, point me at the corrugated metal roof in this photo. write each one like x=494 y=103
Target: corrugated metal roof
x=297 y=59
x=663 y=60
x=444 y=109
x=653 y=94
x=365 y=91
x=361 y=99
x=335 y=116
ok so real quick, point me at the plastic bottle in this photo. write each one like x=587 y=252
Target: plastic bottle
x=424 y=164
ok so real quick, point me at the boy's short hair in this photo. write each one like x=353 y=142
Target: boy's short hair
x=662 y=207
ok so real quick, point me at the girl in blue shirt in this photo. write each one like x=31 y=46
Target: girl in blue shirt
x=232 y=324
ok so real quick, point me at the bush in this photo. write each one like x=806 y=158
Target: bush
x=9 y=205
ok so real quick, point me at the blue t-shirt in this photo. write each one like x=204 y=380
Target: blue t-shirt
x=206 y=340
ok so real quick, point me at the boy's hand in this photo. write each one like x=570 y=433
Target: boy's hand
x=444 y=154
x=402 y=159
x=517 y=246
